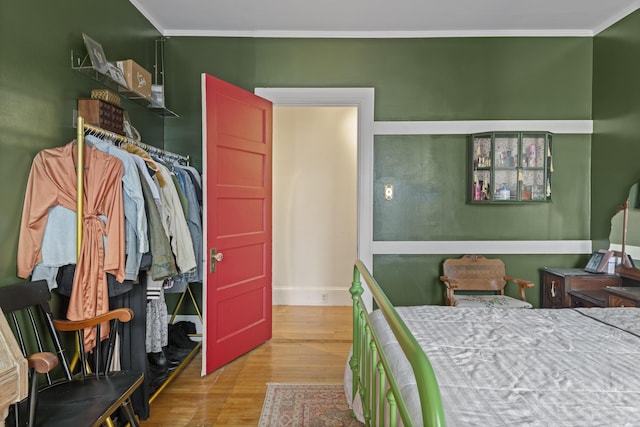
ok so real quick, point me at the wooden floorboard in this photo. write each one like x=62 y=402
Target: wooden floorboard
x=309 y=345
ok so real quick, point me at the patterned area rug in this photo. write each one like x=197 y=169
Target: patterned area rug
x=306 y=405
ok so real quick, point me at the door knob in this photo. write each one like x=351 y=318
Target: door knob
x=214 y=258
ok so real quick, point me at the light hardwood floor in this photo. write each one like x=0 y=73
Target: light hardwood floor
x=309 y=345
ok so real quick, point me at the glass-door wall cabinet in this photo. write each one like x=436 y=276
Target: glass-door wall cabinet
x=507 y=167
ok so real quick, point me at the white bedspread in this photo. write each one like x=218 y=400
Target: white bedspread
x=537 y=367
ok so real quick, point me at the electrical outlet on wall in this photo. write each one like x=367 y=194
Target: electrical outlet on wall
x=388 y=191
x=325 y=298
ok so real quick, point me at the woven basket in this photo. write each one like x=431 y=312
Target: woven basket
x=106 y=96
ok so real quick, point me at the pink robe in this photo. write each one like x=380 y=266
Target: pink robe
x=52 y=182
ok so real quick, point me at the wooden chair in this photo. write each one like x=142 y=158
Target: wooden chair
x=486 y=278
x=63 y=398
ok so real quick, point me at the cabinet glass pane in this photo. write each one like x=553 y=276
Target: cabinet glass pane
x=481 y=185
x=482 y=152
x=533 y=152
x=506 y=184
x=506 y=151
x=533 y=185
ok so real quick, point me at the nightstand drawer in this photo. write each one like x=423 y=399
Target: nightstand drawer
x=588 y=298
x=617 y=301
x=620 y=296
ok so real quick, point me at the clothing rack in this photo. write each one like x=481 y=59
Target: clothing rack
x=149 y=148
x=79 y=184
x=83 y=127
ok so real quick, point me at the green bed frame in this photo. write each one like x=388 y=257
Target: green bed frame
x=372 y=377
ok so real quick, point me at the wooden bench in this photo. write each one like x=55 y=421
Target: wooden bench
x=485 y=278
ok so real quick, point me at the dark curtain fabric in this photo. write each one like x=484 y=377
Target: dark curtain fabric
x=133 y=352
x=65 y=282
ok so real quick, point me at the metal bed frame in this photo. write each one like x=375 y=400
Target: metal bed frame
x=373 y=381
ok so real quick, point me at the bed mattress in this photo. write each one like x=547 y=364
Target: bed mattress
x=541 y=367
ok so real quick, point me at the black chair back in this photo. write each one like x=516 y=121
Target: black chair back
x=85 y=392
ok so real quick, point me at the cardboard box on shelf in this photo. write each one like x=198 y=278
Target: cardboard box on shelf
x=138 y=79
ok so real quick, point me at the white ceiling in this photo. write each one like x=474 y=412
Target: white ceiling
x=383 y=18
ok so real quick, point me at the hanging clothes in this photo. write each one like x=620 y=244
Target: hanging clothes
x=175 y=223
x=194 y=222
x=150 y=163
x=163 y=263
x=137 y=242
x=157 y=335
x=58 y=243
x=196 y=179
x=52 y=182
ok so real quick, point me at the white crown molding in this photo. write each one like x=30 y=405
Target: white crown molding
x=617 y=17
x=482 y=247
x=465 y=127
x=152 y=20
x=540 y=32
x=376 y=34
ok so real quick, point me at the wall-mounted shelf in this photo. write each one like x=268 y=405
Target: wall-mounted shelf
x=163 y=111
x=82 y=64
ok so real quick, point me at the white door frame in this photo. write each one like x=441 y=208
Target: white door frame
x=363 y=100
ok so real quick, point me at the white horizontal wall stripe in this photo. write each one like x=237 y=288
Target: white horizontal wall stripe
x=464 y=127
x=482 y=247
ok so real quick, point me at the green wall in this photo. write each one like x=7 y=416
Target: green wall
x=38 y=88
x=423 y=79
x=430 y=191
x=616 y=116
x=414 y=79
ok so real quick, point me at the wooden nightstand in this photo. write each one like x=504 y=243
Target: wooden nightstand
x=558 y=282
x=623 y=296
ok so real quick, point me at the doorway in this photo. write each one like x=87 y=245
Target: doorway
x=363 y=100
x=314 y=204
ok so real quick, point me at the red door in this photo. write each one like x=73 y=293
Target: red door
x=237 y=229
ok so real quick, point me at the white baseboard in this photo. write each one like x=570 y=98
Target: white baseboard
x=311 y=297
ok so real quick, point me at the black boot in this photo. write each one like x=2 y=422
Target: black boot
x=158 y=359
x=158 y=370
x=186 y=326
x=175 y=354
x=179 y=338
